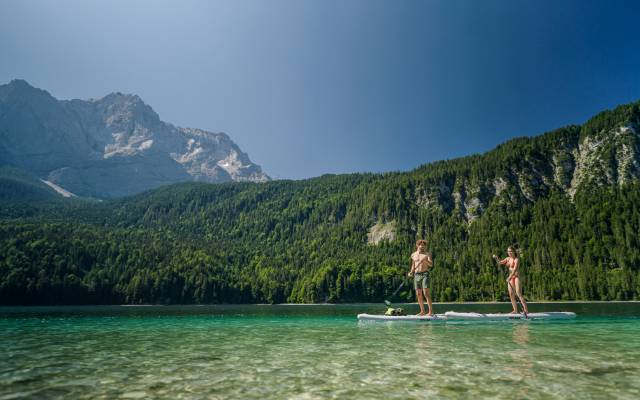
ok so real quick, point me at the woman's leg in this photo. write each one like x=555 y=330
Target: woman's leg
x=512 y=297
x=519 y=292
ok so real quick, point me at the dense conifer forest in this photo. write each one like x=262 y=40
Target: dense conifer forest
x=312 y=241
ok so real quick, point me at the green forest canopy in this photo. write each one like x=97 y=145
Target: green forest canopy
x=307 y=241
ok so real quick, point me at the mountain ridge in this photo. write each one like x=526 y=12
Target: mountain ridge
x=112 y=146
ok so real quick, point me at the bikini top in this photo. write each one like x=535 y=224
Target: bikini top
x=511 y=264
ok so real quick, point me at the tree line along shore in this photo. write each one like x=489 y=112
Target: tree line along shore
x=310 y=241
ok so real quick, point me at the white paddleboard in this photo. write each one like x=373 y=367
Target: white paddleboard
x=407 y=318
x=453 y=315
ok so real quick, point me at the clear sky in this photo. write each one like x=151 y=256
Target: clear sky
x=333 y=86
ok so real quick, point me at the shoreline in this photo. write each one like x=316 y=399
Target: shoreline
x=326 y=304
x=458 y=302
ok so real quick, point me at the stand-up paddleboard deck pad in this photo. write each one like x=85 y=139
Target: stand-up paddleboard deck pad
x=468 y=316
x=452 y=315
x=407 y=318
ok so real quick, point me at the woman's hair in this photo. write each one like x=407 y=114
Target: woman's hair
x=421 y=241
x=513 y=248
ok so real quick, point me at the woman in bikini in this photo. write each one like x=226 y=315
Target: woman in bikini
x=513 y=281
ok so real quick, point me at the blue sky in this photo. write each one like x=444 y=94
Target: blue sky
x=314 y=87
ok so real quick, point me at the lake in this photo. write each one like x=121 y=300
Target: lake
x=315 y=352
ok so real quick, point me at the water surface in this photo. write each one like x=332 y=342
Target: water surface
x=305 y=352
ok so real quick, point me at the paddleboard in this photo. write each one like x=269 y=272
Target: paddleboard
x=453 y=315
x=406 y=318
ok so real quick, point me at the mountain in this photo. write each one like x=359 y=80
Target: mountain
x=603 y=152
x=110 y=147
x=18 y=185
x=568 y=199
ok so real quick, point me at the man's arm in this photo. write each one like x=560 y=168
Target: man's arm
x=412 y=267
x=429 y=261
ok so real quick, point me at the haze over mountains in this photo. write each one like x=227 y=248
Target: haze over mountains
x=110 y=147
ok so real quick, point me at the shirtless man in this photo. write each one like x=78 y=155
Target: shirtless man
x=421 y=263
x=513 y=281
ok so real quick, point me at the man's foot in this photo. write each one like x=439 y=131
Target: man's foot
x=429 y=315
x=514 y=312
x=421 y=314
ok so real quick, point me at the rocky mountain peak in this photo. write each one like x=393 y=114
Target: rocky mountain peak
x=117 y=106
x=20 y=84
x=19 y=91
x=112 y=146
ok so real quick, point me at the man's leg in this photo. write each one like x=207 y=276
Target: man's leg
x=427 y=294
x=420 y=300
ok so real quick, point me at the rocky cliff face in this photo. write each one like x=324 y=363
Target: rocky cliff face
x=113 y=146
x=603 y=152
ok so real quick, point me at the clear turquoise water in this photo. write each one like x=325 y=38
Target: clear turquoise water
x=305 y=352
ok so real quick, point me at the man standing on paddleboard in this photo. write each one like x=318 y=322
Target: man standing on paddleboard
x=421 y=264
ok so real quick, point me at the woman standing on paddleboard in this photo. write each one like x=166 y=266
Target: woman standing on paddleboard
x=513 y=281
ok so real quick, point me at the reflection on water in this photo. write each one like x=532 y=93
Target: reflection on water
x=308 y=352
x=520 y=368
x=521 y=333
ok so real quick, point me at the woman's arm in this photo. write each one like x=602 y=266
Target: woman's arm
x=499 y=261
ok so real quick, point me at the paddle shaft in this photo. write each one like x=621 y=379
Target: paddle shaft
x=399 y=287
x=387 y=302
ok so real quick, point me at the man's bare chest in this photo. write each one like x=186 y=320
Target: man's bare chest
x=418 y=259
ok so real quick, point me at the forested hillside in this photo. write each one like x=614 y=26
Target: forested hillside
x=569 y=199
x=17 y=185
